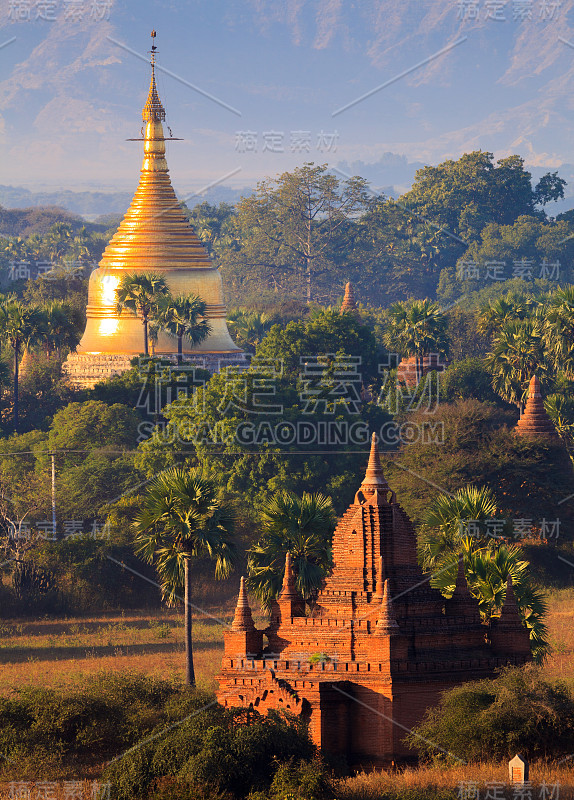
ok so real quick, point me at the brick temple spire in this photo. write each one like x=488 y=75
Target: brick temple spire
x=535 y=422
x=507 y=631
x=386 y=622
x=374 y=485
x=349 y=303
x=289 y=589
x=462 y=603
x=290 y=601
x=243 y=621
x=374 y=476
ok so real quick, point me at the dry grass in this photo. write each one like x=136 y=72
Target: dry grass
x=62 y=653
x=560 y=664
x=375 y=785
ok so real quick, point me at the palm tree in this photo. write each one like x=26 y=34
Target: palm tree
x=140 y=294
x=21 y=326
x=250 y=327
x=417 y=328
x=488 y=562
x=508 y=308
x=302 y=526
x=559 y=329
x=63 y=327
x=182 y=519
x=517 y=355
x=183 y=316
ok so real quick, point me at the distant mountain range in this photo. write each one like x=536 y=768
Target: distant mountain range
x=422 y=79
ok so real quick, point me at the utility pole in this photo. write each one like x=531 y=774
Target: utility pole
x=53 y=455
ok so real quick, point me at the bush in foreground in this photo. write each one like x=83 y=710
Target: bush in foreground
x=518 y=712
x=221 y=753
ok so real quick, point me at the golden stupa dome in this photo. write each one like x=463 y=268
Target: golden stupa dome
x=154 y=236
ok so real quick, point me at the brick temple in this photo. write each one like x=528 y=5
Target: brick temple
x=534 y=422
x=380 y=644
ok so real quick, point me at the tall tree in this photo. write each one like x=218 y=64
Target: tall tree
x=140 y=294
x=299 y=223
x=302 y=526
x=182 y=519
x=22 y=326
x=183 y=316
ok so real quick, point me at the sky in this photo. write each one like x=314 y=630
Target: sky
x=255 y=87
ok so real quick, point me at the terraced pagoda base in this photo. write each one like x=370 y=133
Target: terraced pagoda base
x=85 y=370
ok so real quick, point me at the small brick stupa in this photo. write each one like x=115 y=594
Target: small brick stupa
x=535 y=422
x=380 y=644
x=349 y=303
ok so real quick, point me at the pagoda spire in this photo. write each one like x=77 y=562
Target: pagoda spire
x=374 y=480
x=349 y=303
x=243 y=621
x=290 y=601
x=535 y=423
x=386 y=622
x=153 y=111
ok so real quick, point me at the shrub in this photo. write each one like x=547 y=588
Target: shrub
x=220 y=751
x=495 y=719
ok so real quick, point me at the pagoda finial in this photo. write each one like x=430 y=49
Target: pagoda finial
x=153 y=111
x=243 y=621
x=386 y=621
x=374 y=477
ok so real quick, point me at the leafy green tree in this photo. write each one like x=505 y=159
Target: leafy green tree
x=212 y=225
x=182 y=519
x=140 y=294
x=510 y=307
x=302 y=526
x=474 y=190
x=417 y=328
x=92 y=425
x=183 y=316
x=21 y=326
x=297 y=225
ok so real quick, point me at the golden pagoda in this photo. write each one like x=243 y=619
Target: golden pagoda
x=154 y=236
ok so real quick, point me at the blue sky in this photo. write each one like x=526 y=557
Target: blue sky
x=70 y=96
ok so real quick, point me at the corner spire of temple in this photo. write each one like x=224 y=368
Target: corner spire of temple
x=153 y=111
x=535 y=422
x=289 y=589
x=386 y=621
x=243 y=620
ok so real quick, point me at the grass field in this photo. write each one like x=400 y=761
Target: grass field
x=60 y=653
